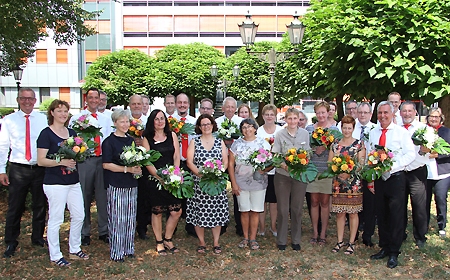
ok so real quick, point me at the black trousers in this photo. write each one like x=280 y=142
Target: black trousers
x=24 y=179
x=144 y=213
x=440 y=189
x=369 y=212
x=416 y=188
x=390 y=201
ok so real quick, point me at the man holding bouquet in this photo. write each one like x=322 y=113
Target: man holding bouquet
x=390 y=188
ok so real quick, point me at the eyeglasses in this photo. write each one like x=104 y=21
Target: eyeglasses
x=363 y=113
x=21 y=98
x=245 y=127
x=205 y=124
x=206 y=108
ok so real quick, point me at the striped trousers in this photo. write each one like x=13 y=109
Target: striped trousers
x=122 y=203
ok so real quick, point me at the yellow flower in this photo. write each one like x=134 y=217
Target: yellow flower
x=314 y=135
x=344 y=167
x=319 y=130
x=375 y=154
x=338 y=160
x=292 y=151
x=331 y=138
x=351 y=162
x=334 y=168
x=291 y=158
x=82 y=149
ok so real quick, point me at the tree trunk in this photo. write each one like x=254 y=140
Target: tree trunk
x=340 y=105
x=444 y=104
x=260 y=119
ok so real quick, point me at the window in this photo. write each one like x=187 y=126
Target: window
x=92 y=55
x=100 y=26
x=64 y=94
x=186 y=24
x=41 y=56
x=135 y=23
x=231 y=23
x=44 y=93
x=160 y=24
x=61 y=56
x=212 y=24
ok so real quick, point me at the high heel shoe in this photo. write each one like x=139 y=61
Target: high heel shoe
x=350 y=249
x=162 y=252
x=174 y=249
x=338 y=247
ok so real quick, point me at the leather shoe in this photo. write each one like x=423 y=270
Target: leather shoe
x=392 y=262
x=380 y=255
x=368 y=242
x=143 y=236
x=296 y=247
x=39 y=242
x=10 y=250
x=420 y=243
x=104 y=238
x=86 y=241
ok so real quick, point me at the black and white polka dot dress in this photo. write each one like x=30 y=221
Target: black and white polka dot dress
x=204 y=210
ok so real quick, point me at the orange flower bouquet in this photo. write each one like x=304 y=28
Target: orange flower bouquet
x=324 y=137
x=136 y=128
x=180 y=127
x=72 y=148
x=299 y=166
x=342 y=163
x=379 y=161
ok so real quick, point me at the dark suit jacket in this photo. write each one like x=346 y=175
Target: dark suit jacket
x=443 y=161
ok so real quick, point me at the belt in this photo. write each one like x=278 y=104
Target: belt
x=398 y=173
x=29 y=166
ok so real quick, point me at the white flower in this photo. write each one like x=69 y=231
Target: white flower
x=93 y=121
x=128 y=155
x=175 y=178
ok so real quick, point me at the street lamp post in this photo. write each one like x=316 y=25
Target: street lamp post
x=248 y=30
x=221 y=90
x=17 y=72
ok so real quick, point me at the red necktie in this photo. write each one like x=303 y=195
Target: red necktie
x=184 y=142
x=407 y=125
x=27 y=138
x=383 y=137
x=97 y=150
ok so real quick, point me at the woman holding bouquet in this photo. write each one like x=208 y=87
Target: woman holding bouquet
x=203 y=210
x=347 y=194
x=438 y=172
x=122 y=189
x=320 y=190
x=249 y=189
x=290 y=192
x=62 y=187
x=157 y=136
x=267 y=131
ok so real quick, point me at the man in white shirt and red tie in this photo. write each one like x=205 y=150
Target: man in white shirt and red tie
x=91 y=173
x=19 y=133
x=416 y=178
x=390 y=193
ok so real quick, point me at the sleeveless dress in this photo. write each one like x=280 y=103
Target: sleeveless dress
x=204 y=210
x=347 y=194
x=162 y=200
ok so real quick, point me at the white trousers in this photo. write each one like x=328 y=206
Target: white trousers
x=58 y=196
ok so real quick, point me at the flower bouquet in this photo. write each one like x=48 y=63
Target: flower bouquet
x=324 y=137
x=260 y=160
x=72 y=148
x=88 y=128
x=214 y=179
x=176 y=181
x=228 y=130
x=138 y=156
x=136 y=128
x=180 y=127
x=428 y=137
x=342 y=163
x=379 y=161
x=299 y=166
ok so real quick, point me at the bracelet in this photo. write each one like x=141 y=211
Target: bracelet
x=124 y=169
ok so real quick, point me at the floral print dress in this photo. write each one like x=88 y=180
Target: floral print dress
x=347 y=194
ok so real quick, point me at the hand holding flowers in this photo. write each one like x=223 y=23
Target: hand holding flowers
x=73 y=148
x=136 y=128
x=213 y=179
x=133 y=156
x=228 y=130
x=379 y=161
x=176 y=181
x=298 y=164
x=88 y=128
x=429 y=138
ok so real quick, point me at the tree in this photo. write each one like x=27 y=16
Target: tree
x=124 y=73
x=24 y=23
x=371 y=48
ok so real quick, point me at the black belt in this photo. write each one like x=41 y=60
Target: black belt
x=29 y=166
x=398 y=173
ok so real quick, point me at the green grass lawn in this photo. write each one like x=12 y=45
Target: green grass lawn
x=312 y=262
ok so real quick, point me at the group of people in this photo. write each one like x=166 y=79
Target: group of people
x=126 y=205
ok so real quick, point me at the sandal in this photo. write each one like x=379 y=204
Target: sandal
x=254 y=245
x=350 y=249
x=162 y=252
x=338 y=247
x=243 y=243
x=201 y=249
x=174 y=249
x=61 y=262
x=321 y=241
x=217 y=250
x=79 y=256
x=313 y=241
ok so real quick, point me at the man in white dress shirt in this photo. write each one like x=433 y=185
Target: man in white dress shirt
x=91 y=174
x=145 y=105
x=24 y=173
x=102 y=105
x=416 y=178
x=170 y=104
x=390 y=193
x=136 y=104
x=206 y=107
x=395 y=98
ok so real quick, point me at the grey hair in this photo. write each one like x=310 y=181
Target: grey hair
x=21 y=90
x=119 y=113
x=231 y=99
x=365 y=104
x=382 y=103
x=304 y=115
x=408 y=102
